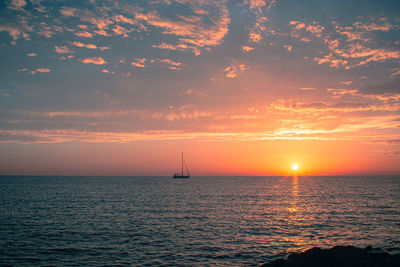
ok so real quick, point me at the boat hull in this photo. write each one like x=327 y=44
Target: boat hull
x=180 y=176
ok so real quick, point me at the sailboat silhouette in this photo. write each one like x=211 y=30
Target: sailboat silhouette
x=182 y=175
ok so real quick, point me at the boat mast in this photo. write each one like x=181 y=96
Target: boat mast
x=182 y=163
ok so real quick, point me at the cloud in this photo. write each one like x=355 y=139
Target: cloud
x=373 y=26
x=246 y=48
x=13 y=31
x=297 y=24
x=341 y=92
x=68 y=11
x=84 y=34
x=31 y=54
x=299 y=29
x=395 y=73
x=351 y=45
x=179 y=47
x=101 y=32
x=332 y=61
x=346 y=82
x=314 y=108
x=62 y=50
x=121 y=18
x=17 y=31
x=66 y=57
x=119 y=30
x=233 y=70
x=173 y=65
x=100 y=22
x=192 y=31
x=17 y=4
x=315 y=29
x=40 y=70
x=259 y=5
x=255 y=37
x=307 y=88
x=385 y=88
x=107 y=71
x=139 y=62
x=94 y=60
x=171 y=62
x=89 y=46
x=367 y=54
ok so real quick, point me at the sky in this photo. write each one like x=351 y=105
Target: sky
x=242 y=87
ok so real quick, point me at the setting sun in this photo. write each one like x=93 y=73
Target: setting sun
x=295 y=167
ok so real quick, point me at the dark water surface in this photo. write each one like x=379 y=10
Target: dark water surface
x=207 y=221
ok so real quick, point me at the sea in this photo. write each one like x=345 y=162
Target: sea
x=200 y=221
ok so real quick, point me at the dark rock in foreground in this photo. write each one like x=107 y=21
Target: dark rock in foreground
x=343 y=256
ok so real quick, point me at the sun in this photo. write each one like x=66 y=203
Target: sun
x=295 y=167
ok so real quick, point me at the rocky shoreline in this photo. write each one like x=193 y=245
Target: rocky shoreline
x=338 y=256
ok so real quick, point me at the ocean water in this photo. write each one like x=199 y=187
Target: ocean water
x=201 y=221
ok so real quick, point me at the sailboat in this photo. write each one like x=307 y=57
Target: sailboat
x=182 y=175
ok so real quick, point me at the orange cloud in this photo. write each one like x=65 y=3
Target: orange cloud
x=68 y=11
x=100 y=23
x=79 y=44
x=62 y=50
x=94 y=60
x=42 y=70
x=84 y=34
x=179 y=47
x=173 y=65
x=233 y=70
x=190 y=30
x=385 y=27
x=121 y=18
x=139 y=62
x=102 y=32
x=332 y=61
x=359 y=51
x=246 y=48
x=17 y=4
x=89 y=46
x=119 y=30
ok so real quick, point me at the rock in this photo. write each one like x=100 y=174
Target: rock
x=338 y=256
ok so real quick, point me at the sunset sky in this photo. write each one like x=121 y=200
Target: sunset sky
x=242 y=87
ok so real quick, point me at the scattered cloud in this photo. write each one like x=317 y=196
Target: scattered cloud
x=193 y=34
x=179 y=47
x=62 y=49
x=119 y=30
x=94 y=60
x=89 y=46
x=40 y=70
x=173 y=65
x=332 y=61
x=233 y=70
x=68 y=11
x=246 y=48
x=101 y=23
x=17 y=31
x=84 y=34
x=346 y=82
x=17 y=4
x=395 y=73
x=122 y=18
x=31 y=54
x=139 y=62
